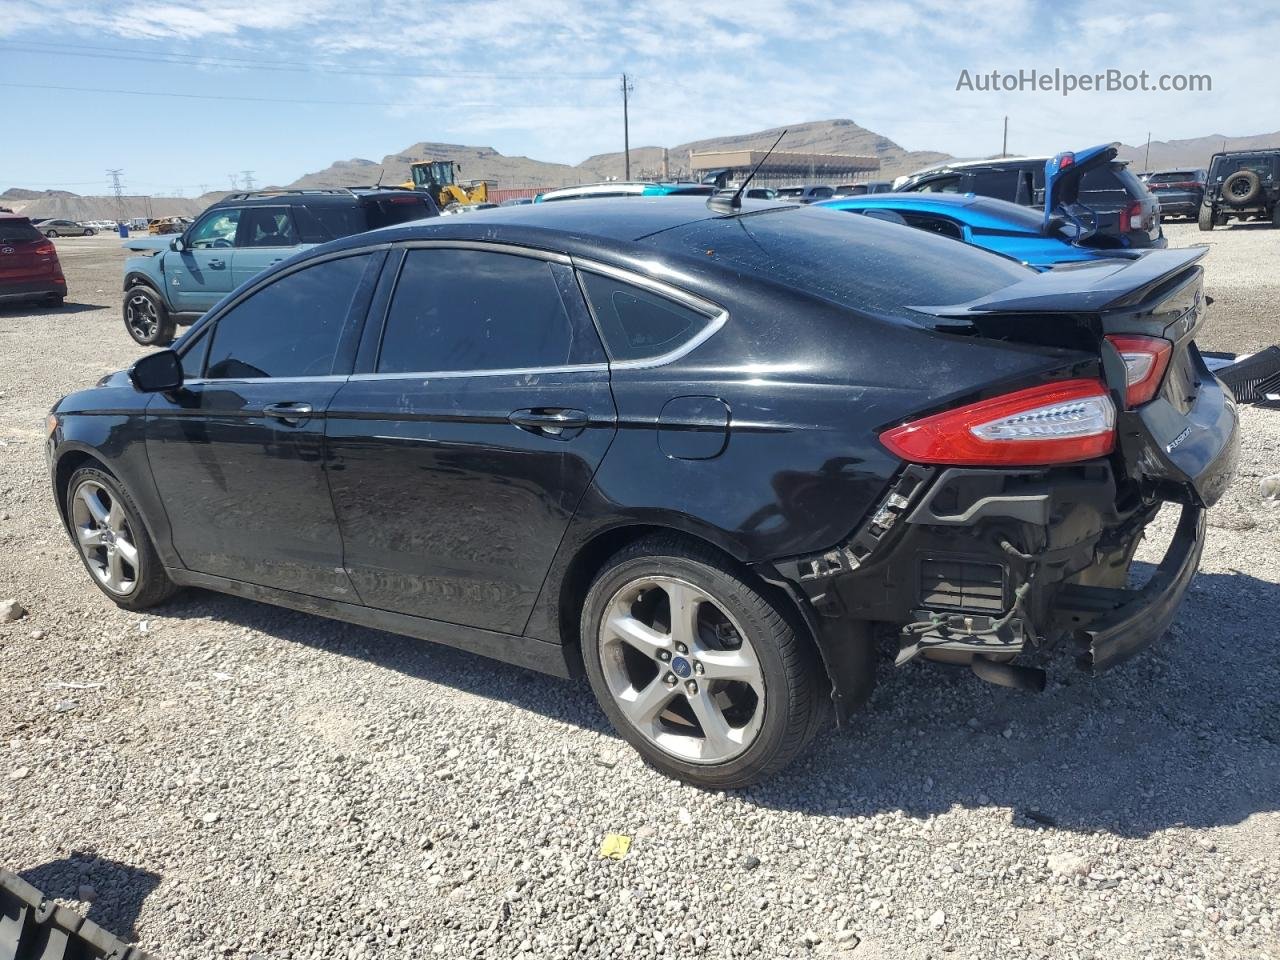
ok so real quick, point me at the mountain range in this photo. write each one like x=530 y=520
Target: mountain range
x=821 y=136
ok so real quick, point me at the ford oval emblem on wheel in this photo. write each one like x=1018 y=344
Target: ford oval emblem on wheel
x=681 y=668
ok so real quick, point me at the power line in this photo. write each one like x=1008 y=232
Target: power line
x=196 y=96
x=257 y=63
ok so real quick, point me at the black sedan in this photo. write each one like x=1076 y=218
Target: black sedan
x=710 y=459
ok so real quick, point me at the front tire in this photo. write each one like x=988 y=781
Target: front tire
x=1206 y=218
x=113 y=543
x=147 y=319
x=699 y=670
x=89 y=231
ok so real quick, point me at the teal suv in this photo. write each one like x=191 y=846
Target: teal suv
x=173 y=280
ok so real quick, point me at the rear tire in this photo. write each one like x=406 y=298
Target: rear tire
x=89 y=231
x=147 y=319
x=1250 y=184
x=112 y=542
x=52 y=234
x=725 y=701
x=1206 y=218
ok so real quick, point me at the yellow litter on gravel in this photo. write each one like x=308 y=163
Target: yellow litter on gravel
x=615 y=846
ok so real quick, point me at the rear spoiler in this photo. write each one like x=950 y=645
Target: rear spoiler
x=1083 y=288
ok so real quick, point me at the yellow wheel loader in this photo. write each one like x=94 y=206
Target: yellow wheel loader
x=436 y=177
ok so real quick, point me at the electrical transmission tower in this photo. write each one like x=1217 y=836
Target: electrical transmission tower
x=118 y=189
x=235 y=184
x=246 y=177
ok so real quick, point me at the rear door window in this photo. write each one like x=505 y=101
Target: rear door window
x=289 y=328
x=1108 y=188
x=472 y=310
x=637 y=324
x=328 y=221
x=267 y=227
x=388 y=211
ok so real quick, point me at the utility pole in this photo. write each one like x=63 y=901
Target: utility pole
x=1004 y=144
x=118 y=189
x=626 y=127
x=246 y=177
x=1146 y=164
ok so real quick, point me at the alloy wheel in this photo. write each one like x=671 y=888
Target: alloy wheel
x=140 y=313
x=105 y=539
x=681 y=670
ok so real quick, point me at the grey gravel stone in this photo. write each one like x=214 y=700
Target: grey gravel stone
x=11 y=610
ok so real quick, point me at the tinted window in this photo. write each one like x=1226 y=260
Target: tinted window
x=637 y=324
x=1001 y=184
x=18 y=231
x=386 y=211
x=474 y=310
x=193 y=357
x=939 y=225
x=324 y=222
x=939 y=185
x=856 y=262
x=218 y=229
x=1175 y=177
x=289 y=328
x=1110 y=188
x=267 y=227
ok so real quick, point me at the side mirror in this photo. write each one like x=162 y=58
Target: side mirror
x=157 y=372
x=176 y=244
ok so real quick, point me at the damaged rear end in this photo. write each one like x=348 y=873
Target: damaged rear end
x=1012 y=525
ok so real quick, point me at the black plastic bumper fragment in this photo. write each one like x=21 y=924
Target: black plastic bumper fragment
x=1252 y=378
x=1129 y=620
x=32 y=927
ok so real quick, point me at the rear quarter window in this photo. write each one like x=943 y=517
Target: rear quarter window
x=637 y=324
x=324 y=222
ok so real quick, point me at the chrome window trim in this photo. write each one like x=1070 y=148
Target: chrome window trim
x=459 y=374
x=717 y=315
x=534 y=253
x=325 y=378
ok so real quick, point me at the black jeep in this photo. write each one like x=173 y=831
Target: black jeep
x=1243 y=185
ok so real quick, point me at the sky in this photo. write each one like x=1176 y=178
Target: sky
x=180 y=95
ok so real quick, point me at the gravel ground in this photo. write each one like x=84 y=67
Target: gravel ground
x=219 y=778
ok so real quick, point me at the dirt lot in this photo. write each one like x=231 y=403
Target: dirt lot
x=218 y=778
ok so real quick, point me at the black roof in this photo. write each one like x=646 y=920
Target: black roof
x=309 y=196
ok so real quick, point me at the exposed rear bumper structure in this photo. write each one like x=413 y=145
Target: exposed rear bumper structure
x=1129 y=620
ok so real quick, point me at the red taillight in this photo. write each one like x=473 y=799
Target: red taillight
x=1131 y=218
x=1055 y=423
x=44 y=249
x=1066 y=160
x=1145 y=361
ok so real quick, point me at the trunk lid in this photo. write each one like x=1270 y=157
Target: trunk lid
x=1182 y=444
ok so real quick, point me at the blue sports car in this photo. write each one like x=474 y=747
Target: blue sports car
x=1012 y=230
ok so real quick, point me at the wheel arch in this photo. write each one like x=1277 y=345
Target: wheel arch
x=136 y=278
x=65 y=466
x=590 y=557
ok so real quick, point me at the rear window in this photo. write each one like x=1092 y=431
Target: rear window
x=1262 y=164
x=1111 y=187
x=855 y=262
x=18 y=231
x=1178 y=176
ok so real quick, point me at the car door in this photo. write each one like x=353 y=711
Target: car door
x=199 y=275
x=237 y=453
x=266 y=236
x=460 y=449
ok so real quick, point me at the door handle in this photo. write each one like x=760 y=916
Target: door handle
x=290 y=413
x=551 y=421
x=217 y=264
